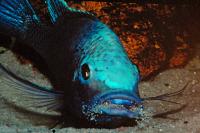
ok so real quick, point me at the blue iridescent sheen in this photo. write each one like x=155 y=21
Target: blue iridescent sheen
x=16 y=15
x=109 y=64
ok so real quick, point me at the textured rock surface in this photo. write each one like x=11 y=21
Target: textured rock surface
x=152 y=34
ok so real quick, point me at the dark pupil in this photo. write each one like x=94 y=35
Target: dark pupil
x=85 y=70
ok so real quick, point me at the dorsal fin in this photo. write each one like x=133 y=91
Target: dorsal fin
x=58 y=8
x=16 y=16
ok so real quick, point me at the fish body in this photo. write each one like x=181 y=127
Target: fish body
x=89 y=68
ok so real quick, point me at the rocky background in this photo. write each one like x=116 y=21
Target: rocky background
x=151 y=33
x=155 y=36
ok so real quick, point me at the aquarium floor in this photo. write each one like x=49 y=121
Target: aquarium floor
x=182 y=120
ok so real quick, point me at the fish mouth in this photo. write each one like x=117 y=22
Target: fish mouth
x=106 y=107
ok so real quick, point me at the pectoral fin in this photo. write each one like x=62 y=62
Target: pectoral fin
x=31 y=94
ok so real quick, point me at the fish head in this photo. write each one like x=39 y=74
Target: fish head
x=110 y=90
x=108 y=80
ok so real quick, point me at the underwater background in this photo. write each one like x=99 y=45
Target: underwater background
x=162 y=39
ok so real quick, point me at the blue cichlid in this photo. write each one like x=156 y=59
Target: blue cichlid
x=93 y=78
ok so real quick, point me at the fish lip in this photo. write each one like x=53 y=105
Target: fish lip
x=95 y=106
x=122 y=112
x=101 y=98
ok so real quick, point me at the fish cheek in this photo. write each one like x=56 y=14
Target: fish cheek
x=85 y=92
x=85 y=83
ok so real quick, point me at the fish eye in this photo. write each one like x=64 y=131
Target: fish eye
x=85 y=71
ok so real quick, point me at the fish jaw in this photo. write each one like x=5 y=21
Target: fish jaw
x=114 y=105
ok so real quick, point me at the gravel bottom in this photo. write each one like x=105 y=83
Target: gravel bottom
x=181 y=118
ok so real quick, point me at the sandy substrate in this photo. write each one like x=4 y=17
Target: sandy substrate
x=185 y=117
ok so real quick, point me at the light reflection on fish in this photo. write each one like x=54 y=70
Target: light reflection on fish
x=94 y=79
